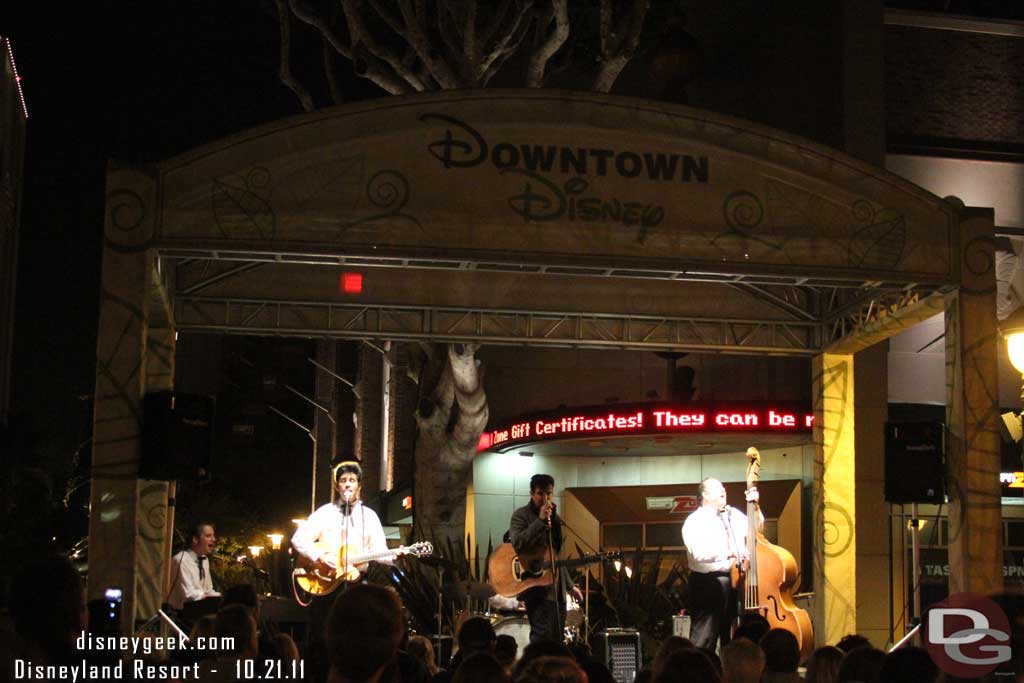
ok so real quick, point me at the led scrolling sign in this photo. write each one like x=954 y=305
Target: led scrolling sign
x=648 y=419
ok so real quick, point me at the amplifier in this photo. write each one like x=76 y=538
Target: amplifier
x=619 y=650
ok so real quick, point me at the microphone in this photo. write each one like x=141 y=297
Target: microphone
x=553 y=506
x=347 y=496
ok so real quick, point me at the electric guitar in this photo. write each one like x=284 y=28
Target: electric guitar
x=511 y=573
x=321 y=582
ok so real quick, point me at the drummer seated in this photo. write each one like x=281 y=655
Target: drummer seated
x=476 y=635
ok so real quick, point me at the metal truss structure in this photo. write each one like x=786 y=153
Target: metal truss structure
x=814 y=313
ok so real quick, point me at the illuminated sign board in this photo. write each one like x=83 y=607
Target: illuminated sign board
x=676 y=505
x=649 y=418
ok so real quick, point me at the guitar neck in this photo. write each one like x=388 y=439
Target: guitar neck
x=369 y=557
x=577 y=562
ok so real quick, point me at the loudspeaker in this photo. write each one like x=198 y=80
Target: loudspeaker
x=914 y=462
x=619 y=650
x=177 y=436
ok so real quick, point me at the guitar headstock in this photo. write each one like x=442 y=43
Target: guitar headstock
x=420 y=549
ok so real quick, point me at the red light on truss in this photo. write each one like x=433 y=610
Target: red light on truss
x=351 y=283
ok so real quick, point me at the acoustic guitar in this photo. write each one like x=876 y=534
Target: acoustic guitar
x=319 y=582
x=511 y=573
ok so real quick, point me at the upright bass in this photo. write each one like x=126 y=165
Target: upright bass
x=770 y=573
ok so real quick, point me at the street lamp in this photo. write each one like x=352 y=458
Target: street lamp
x=1013 y=329
x=275 y=540
x=255 y=551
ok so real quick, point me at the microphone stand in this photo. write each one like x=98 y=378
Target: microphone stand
x=556 y=575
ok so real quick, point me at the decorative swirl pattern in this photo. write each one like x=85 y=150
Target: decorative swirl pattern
x=978 y=259
x=862 y=211
x=388 y=190
x=743 y=210
x=126 y=212
x=258 y=177
x=838 y=531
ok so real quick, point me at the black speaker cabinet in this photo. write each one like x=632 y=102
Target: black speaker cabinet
x=619 y=649
x=177 y=436
x=914 y=462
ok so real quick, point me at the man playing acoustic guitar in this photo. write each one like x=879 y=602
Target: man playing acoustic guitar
x=528 y=531
x=342 y=528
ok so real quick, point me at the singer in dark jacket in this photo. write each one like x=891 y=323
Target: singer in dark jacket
x=528 y=533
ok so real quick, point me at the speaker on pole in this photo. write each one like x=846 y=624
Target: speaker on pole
x=915 y=462
x=177 y=436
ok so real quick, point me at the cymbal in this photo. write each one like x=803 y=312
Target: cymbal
x=478 y=590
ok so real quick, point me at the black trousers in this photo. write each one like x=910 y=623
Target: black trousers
x=712 y=607
x=542 y=611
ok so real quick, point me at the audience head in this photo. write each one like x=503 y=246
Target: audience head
x=364 y=628
x=243 y=594
x=781 y=651
x=422 y=649
x=823 y=666
x=752 y=627
x=480 y=667
x=477 y=635
x=542 y=648
x=505 y=650
x=548 y=669
x=672 y=645
x=861 y=664
x=908 y=665
x=742 y=661
x=236 y=622
x=689 y=666
x=286 y=647
x=51 y=619
x=851 y=641
x=204 y=626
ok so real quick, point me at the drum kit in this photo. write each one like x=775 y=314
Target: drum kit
x=466 y=599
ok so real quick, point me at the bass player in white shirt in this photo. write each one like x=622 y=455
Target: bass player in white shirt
x=715 y=536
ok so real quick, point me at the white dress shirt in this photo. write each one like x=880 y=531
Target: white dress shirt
x=189 y=584
x=361 y=532
x=708 y=540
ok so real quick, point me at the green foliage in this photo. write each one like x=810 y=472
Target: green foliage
x=642 y=601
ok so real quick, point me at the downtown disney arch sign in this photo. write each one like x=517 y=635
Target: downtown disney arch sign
x=530 y=217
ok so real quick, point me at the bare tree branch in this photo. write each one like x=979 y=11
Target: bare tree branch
x=508 y=46
x=617 y=48
x=361 y=35
x=417 y=37
x=540 y=56
x=284 y=20
x=447 y=28
x=469 y=48
x=331 y=72
x=495 y=24
x=374 y=71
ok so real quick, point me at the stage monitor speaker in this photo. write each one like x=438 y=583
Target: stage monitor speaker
x=177 y=436
x=914 y=462
x=619 y=650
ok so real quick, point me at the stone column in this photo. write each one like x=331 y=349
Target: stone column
x=872 y=520
x=972 y=411
x=835 y=510
x=120 y=379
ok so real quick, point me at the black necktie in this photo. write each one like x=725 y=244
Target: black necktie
x=202 y=569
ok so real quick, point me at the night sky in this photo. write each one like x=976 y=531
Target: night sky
x=136 y=82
